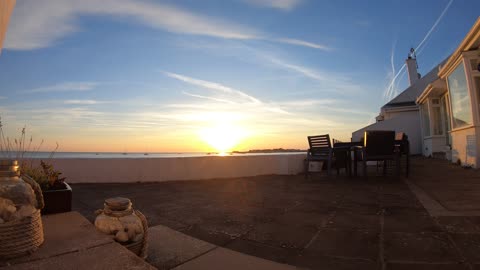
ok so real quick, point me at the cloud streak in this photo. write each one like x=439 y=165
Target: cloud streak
x=39 y=24
x=84 y=102
x=285 y=5
x=65 y=87
x=303 y=43
x=213 y=86
x=388 y=90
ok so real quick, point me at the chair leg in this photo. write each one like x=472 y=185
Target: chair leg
x=397 y=165
x=307 y=164
x=329 y=166
x=407 y=170
x=364 y=168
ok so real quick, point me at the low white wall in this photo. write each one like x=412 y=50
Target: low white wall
x=434 y=144
x=128 y=170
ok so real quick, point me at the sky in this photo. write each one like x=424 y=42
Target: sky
x=188 y=76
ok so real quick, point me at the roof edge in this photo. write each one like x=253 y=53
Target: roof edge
x=466 y=44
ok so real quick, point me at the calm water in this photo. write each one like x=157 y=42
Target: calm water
x=140 y=155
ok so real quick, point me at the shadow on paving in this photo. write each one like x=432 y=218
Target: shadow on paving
x=318 y=223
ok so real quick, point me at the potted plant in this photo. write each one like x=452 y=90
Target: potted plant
x=57 y=194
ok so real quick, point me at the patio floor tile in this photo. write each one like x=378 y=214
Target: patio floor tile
x=355 y=222
x=419 y=247
x=280 y=235
x=410 y=223
x=469 y=244
x=345 y=244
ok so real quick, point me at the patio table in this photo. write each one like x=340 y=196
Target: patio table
x=347 y=148
x=402 y=146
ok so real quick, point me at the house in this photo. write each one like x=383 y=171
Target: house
x=450 y=105
x=402 y=113
x=6 y=8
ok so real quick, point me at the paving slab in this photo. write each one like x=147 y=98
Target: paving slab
x=345 y=244
x=469 y=244
x=355 y=221
x=277 y=254
x=460 y=224
x=65 y=233
x=410 y=223
x=280 y=235
x=222 y=258
x=315 y=261
x=108 y=256
x=168 y=248
x=431 y=266
x=420 y=248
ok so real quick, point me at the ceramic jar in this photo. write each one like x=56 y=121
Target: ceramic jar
x=119 y=220
x=17 y=198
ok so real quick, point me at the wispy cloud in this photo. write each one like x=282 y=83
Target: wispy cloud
x=299 y=42
x=338 y=83
x=55 y=19
x=388 y=92
x=2 y=97
x=65 y=87
x=213 y=86
x=285 y=5
x=84 y=102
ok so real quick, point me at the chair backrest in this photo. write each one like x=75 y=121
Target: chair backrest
x=319 y=144
x=379 y=142
x=402 y=140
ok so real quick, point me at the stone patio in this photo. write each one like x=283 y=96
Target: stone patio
x=426 y=222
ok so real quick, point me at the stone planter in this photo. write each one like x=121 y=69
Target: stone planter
x=58 y=200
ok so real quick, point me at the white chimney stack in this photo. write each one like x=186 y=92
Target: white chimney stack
x=411 y=63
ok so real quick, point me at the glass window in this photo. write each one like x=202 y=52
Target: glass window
x=446 y=119
x=459 y=97
x=426 y=120
x=437 y=121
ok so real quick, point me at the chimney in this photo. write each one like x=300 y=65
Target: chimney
x=412 y=66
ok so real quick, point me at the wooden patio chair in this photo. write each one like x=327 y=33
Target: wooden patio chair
x=380 y=146
x=320 y=150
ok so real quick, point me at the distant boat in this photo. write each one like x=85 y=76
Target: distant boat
x=145 y=154
x=124 y=153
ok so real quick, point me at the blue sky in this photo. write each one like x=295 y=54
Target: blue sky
x=142 y=75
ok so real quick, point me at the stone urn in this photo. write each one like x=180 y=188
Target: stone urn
x=125 y=225
x=21 y=229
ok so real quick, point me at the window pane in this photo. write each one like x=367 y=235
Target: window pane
x=460 y=99
x=437 y=121
x=426 y=120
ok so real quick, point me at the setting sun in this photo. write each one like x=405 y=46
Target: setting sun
x=223 y=136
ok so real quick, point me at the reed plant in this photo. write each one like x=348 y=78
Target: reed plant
x=24 y=152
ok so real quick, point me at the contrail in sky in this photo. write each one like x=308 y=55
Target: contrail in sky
x=389 y=91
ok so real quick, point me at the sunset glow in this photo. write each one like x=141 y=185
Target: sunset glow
x=212 y=76
x=223 y=137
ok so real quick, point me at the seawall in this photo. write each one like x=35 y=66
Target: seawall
x=131 y=170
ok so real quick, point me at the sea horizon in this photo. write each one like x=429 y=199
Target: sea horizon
x=101 y=155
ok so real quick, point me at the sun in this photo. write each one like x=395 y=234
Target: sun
x=223 y=136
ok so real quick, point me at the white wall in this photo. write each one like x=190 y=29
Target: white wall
x=123 y=170
x=465 y=147
x=407 y=122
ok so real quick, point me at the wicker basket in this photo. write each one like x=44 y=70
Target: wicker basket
x=22 y=237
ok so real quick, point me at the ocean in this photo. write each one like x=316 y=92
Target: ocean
x=45 y=155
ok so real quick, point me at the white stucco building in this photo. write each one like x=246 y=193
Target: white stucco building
x=450 y=106
x=402 y=114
